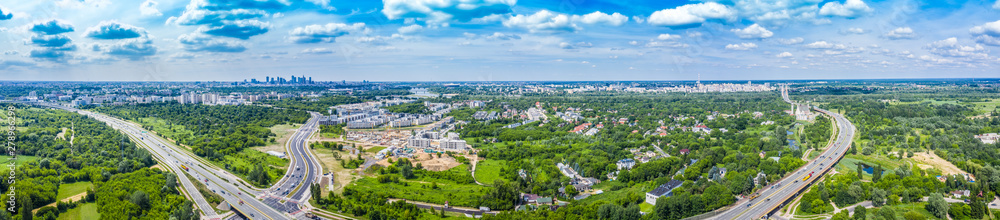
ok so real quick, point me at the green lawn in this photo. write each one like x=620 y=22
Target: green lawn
x=164 y=129
x=457 y=194
x=488 y=171
x=374 y=149
x=249 y=158
x=72 y=189
x=20 y=159
x=83 y=211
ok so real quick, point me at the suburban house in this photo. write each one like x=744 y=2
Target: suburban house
x=662 y=190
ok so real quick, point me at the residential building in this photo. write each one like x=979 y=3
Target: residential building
x=663 y=190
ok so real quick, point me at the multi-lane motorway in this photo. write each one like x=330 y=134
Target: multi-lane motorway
x=304 y=167
x=239 y=196
x=775 y=195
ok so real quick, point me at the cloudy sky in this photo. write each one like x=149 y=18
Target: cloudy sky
x=497 y=40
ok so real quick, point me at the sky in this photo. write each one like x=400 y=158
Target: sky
x=497 y=40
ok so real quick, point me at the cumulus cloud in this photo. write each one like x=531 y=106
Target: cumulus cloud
x=598 y=17
x=5 y=14
x=318 y=50
x=200 y=17
x=565 y=45
x=988 y=33
x=753 y=32
x=741 y=46
x=668 y=37
x=790 y=41
x=240 y=29
x=444 y=11
x=52 y=27
x=691 y=14
x=784 y=55
x=849 y=9
x=148 y=8
x=6 y=64
x=323 y=33
x=108 y=30
x=59 y=40
x=543 y=21
x=502 y=36
x=411 y=29
x=824 y=45
x=133 y=49
x=996 y=5
x=47 y=54
x=950 y=48
x=853 y=31
x=230 y=4
x=197 y=42
x=901 y=33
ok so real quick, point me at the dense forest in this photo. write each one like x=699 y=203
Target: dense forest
x=319 y=104
x=63 y=147
x=221 y=134
x=215 y=131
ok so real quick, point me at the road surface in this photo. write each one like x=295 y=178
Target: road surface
x=774 y=196
x=304 y=168
x=170 y=158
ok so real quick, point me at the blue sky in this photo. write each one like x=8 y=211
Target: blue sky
x=497 y=40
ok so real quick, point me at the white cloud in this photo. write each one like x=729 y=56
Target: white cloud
x=996 y=5
x=950 y=47
x=850 y=9
x=741 y=46
x=988 y=33
x=148 y=8
x=790 y=41
x=597 y=17
x=565 y=45
x=668 y=37
x=323 y=33
x=543 y=21
x=784 y=55
x=753 y=31
x=901 y=33
x=502 y=36
x=692 y=14
x=854 y=31
x=824 y=45
x=444 y=11
x=411 y=29
x=318 y=50
x=638 y=19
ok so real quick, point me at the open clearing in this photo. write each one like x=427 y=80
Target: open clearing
x=283 y=133
x=331 y=163
x=937 y=162
x=83 y=211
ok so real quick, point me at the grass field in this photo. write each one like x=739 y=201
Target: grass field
x=72 y=189
x=248 y=158
x=457 y=194
x=85 y=211
x=374 y=149
x=20 y=159
x=488 y=171
x=164 y=129
x=331 y=163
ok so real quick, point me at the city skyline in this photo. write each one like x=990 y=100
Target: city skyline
x=497 y=40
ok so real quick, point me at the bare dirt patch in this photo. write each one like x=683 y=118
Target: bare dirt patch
x=283 y=132
x=932 y=160
x=62 y=134
x=157 y=167
x=442 y=163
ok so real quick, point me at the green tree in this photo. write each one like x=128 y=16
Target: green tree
x=937 y=206
x=860 y=212
x=913 y=215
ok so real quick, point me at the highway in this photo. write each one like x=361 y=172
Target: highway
x=304 y=168
x=775 y=195
x=167 y=153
